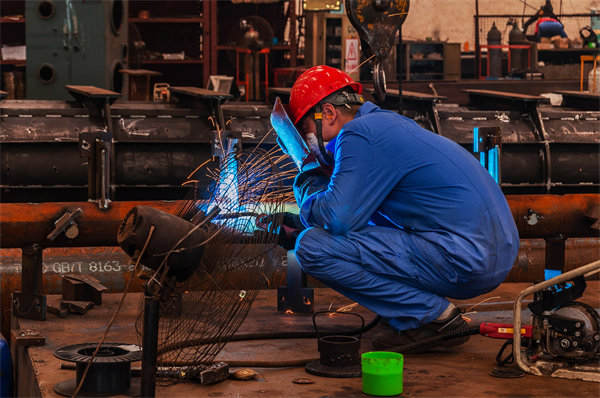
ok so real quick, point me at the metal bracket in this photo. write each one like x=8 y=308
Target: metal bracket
x=97 y=101
x=66 y=223
x=97 y=147
x=221 y=144
x=81 y=287
x=29 y=303
x=295 y=297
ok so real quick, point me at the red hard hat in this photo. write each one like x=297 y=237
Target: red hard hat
x=314 y=85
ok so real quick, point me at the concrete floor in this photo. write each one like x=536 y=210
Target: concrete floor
x=458 y=372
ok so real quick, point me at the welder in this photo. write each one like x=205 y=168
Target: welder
x=403 y=220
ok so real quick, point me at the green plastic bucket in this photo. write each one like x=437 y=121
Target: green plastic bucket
x=382 y=373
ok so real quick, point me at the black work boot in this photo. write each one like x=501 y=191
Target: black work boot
x=393 y=338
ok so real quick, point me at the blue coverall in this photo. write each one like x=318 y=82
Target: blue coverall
x=407 y=219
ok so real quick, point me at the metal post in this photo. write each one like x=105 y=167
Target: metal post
x=477 y=44
x=149 y=345
x=29 y=303
x=555 y=253
x=295 y=297
x=399 y=58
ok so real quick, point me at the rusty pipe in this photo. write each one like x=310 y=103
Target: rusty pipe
x=23 y=224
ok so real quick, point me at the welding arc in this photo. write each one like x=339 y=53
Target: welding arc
x=269 y=336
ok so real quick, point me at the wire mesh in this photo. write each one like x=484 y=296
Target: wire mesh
x=203 y=312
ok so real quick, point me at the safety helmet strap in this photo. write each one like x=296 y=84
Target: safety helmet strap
x=318 y=116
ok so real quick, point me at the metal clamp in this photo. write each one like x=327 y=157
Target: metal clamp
x=66 y=223
x=97 y=147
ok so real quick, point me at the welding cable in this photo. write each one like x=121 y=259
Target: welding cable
x=249 y=337
x=420 y=346
x=269 y=336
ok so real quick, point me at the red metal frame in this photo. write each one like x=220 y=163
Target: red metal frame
x=265 y=52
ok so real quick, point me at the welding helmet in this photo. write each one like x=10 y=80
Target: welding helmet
x=314 y=85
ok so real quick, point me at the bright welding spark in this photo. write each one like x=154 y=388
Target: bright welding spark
x=289 y=312
x=267 y=279
x=347 y=308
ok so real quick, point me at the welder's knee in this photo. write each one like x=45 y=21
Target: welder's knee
x=311 y=247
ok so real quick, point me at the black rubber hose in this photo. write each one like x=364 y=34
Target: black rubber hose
x=269 y=336
x=420 y=346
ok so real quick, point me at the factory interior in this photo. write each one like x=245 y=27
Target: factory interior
x=149 y=159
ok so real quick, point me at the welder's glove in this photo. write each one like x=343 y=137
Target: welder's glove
x=286 y=225
x=308 y=183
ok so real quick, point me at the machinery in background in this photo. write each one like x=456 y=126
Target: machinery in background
x=563 y=341
x=565 y=337
x=75 y=42
x=377 y=23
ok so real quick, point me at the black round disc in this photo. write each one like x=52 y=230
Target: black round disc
x=318 y=369
x=67 y=388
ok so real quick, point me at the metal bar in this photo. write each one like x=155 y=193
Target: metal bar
x=399 y=55
x=32 y=269
x=555 y=253
x=29 y=303
x=149 y=346
x=477 y=43
x=295 y=297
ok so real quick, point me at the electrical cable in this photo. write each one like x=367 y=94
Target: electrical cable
x=435 y=340
x=270 y=336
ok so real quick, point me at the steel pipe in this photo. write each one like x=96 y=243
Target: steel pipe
x=23 y=224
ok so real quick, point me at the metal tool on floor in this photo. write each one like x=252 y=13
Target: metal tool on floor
x=339 y=355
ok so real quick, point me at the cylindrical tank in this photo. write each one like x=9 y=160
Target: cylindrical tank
x=494 y=38
x=594 y=88
x=518 y=56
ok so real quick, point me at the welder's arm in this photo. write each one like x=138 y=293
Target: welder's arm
x=309 y=183
x=357 y=188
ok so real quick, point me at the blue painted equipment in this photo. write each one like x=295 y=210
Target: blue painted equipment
x=6 y=369
x=487 y=142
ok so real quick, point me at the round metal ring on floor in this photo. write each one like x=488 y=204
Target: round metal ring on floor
x=318 y=369
x=109 y=374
